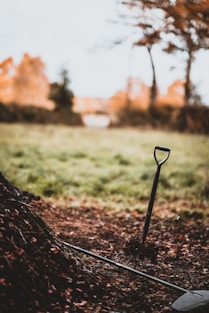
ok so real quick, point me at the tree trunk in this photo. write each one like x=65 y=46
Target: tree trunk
x=188 y=85
x=128 y=93
x=153 y=89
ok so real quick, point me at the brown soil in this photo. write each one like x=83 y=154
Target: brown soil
x=38 y=273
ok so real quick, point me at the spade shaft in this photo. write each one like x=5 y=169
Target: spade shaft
x=154 y=188
x=124 y=267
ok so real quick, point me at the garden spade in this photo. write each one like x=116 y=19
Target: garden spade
x=154 y=187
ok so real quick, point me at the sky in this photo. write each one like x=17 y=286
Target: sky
x=79 y=35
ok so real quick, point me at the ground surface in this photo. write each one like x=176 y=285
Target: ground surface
x=39 y=274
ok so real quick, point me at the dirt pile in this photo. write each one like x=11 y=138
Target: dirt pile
x=36 y=273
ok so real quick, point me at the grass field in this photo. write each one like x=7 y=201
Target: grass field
x=115 y=166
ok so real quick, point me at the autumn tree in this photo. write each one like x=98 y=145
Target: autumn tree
x=190 y=24
x=186 y=24
x=150 y=38
x=187 y=29
x=30 y=83
x=151 y=23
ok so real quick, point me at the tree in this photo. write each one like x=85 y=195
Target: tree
x=190 y=20
x=60 y=92
x=189 y=23
x=152 y=23
x=151 y=37
x=30 y=83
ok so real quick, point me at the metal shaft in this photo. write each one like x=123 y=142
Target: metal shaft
x=154 y=188
x=124 y=267
x=151 y=202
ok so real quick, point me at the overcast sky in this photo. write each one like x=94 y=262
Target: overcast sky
x=78 y=35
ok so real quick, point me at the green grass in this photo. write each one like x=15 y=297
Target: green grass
x=115 y=166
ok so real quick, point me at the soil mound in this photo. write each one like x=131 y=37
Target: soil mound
x=36 y=273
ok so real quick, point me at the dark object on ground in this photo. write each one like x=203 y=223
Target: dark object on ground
x=188 y=302
x=154 y=188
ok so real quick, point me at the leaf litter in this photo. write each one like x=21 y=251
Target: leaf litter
x=39 y=274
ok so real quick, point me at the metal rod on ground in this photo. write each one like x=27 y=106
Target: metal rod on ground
x=124 y=267
x=189 y=301
x=154 y=188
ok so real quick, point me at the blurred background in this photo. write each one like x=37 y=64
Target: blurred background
x=105 y=63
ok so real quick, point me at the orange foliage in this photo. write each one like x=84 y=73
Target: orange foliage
x=24 y=84
x=174 y=96
x=118 y=101
x=135 y=97
x=139 y=94
x=7 y=68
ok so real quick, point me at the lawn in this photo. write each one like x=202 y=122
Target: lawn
x=114 y=167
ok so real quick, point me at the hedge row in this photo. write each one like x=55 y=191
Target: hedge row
x=192 y=119
x=29 y=114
